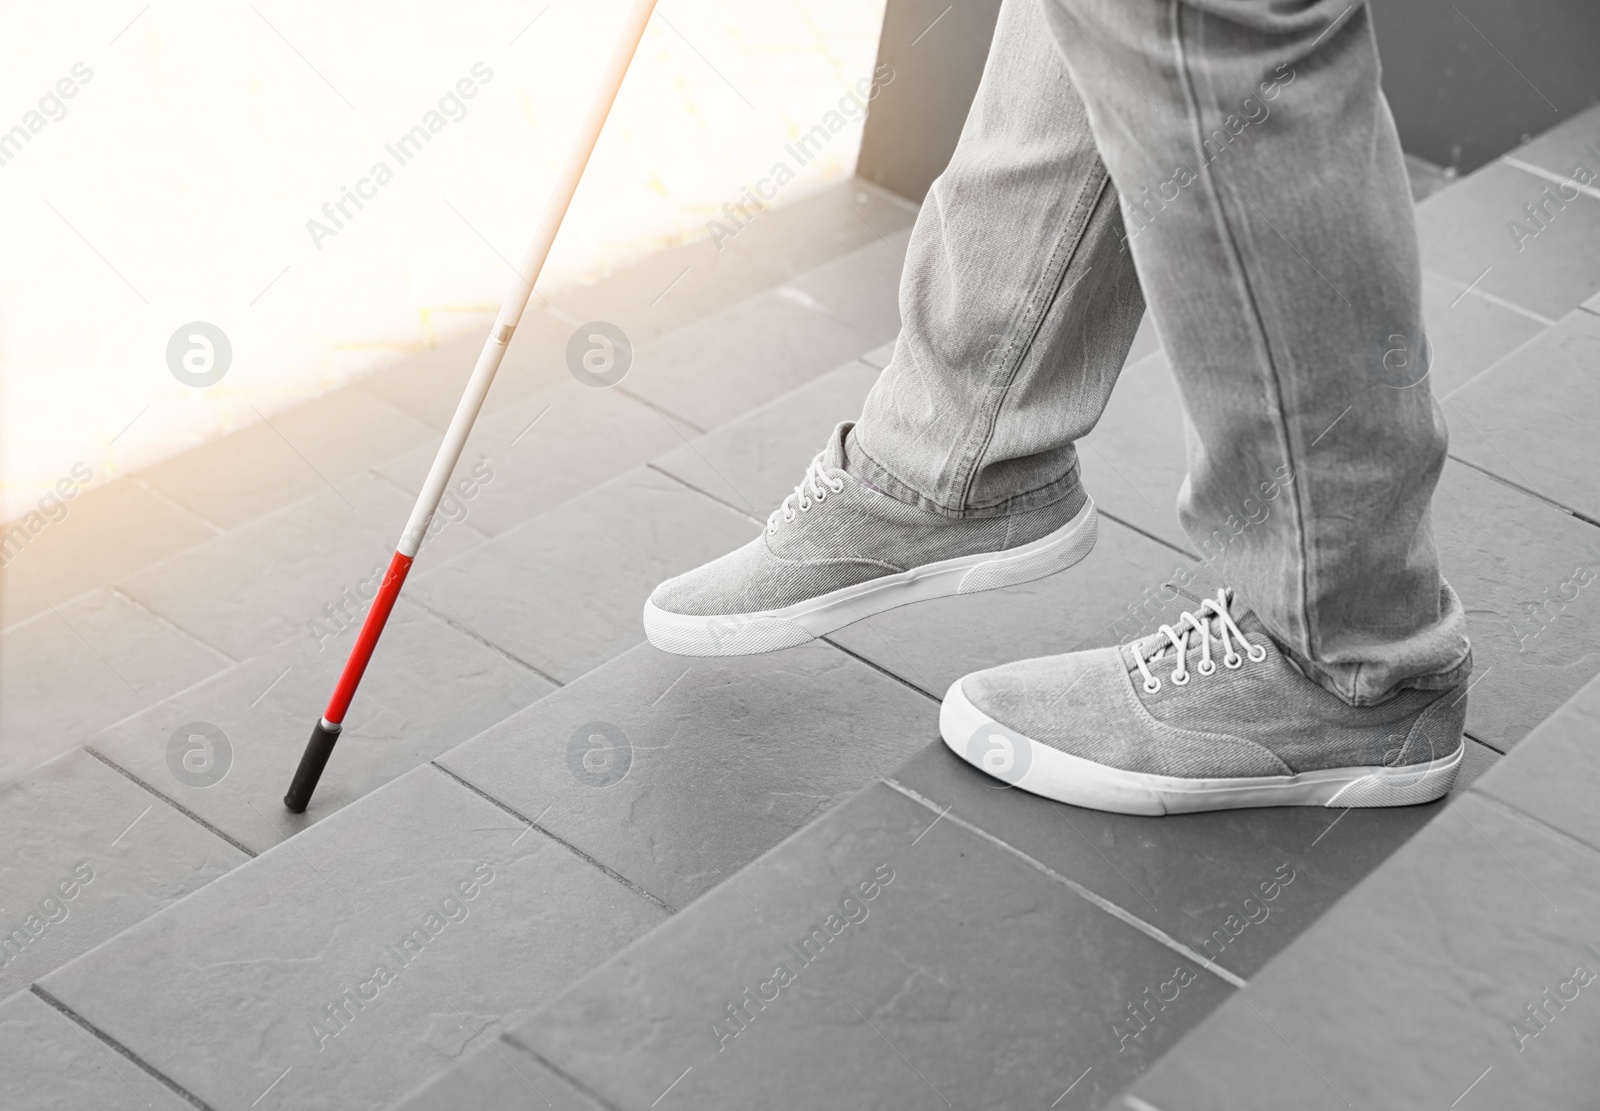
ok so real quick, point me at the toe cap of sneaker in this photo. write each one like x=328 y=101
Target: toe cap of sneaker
x=722 y=586
x=1052 y=697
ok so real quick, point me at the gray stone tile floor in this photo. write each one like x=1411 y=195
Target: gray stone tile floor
x=1517 y=563
x=221 y=590
x=1530 y=419
x=510 y=1076
x=367 y=931
x=48 y=1062
x=537 y=453
x=428 y=383
x=282 y=459
x=752 y=463
x=718 y=367
x=1187 y=874
x=264 y=582
x=102 y=535
x=861 y=290
x=265 y=706
x=87 y=664
x=563 y=593
x=1555 y=776
x=1467 y=333
x=896 y=933
x=88 y=854
x=933 y=644
x=1466 y=235
x=1430 y=985
x=621 y=763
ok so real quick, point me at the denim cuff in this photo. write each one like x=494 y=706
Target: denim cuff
x=864 y=467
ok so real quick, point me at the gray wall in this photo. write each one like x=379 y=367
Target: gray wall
x=915 y=119
x=1458 y=100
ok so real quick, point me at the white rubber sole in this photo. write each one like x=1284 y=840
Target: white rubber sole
x=1041 y=770
x=743 y=634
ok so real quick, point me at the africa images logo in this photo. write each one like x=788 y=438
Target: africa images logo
x=1405 y=357
x=1003 y=753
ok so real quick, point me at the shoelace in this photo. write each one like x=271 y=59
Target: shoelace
x=1190 y=624
x=813 y=488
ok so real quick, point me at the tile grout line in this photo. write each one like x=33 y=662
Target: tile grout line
x=528 y=521
x=137 y=479
x=104 y=729
x=161 y=495
x=1512 y=306
x=828 y=639
x=1491 y=299
x=1501 y=753
x=1550 y=176
x=1552 y=503
x=640 y=399
x=163 y=619
x=510 y=1038
x=651 y=466
x=233 y=665
x=175 y=555
x=568 y=845
x=1155 y=933
x=176 y=805
x=44 y=996
x=1148 y=535
x=495 y=648
x=24 y=622
x=60 y=603
x=1495 y=365
x=1504 y=804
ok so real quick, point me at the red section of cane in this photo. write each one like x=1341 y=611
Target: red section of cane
x=371 y=630
x=326 y=733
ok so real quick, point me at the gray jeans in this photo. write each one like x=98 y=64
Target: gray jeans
x=1234 y=163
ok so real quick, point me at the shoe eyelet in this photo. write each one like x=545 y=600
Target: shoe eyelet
x=1152 y=686
x=1251 y=652
x=1206 y=667
x=839 y=489
x=1233 y=661
x=1180 y=680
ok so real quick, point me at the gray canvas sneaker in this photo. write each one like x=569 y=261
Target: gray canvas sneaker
x=1206 y=715
x=838 y=549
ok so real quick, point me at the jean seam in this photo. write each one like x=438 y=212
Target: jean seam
x=1228 y=236
x=1054 y=275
